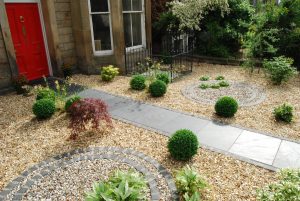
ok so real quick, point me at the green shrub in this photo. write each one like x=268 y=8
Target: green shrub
x=157 y=88
x=215 y=86
x=189 y=183
x=279 y=69
x=138 y=82
x=286 y=189
x=121 y=186
x=45 y=93
x=284 y=113
x=183 y=145
x=226 y=107
x=108 y=73
x=204 y=86
x=43 y=108
x=204 y=78
x=224 y=84
x=70 y=102
x=163 y=77
x=220 y=77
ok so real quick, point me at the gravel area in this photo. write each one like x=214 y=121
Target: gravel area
x=245 y=94
x=73 y=181
x=258 y=117
x=26 y=142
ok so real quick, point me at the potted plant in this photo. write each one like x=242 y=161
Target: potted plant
x=67 y=70
x=19 y=82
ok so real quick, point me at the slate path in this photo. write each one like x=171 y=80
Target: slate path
x=257 y=148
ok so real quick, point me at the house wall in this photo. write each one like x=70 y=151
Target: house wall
x=65 y=31
x=5 y=73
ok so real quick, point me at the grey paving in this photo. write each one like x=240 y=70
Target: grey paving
x=288 y=155
x=254 y=147
x=258 y=147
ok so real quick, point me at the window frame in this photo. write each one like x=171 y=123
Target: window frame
x=143 y=25
x=101 y=52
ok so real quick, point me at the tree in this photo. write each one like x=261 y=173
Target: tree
x=191 y=12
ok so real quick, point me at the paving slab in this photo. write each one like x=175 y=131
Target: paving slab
x=184 y=121
x=217 y=135
x=258 y=147
x=288 y=155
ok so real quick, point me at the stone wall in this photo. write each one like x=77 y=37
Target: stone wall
x=5 y=74
x=65 y=31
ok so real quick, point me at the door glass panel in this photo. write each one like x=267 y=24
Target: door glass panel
x=127 y=30
x=127 y=5
x=101 y=28
x=99 y=5
x=137 y=5
x=137 y=29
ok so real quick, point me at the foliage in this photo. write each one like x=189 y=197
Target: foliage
x=220 y=77
x=163 y=77
x=87 y=112
x=70 y=102
x=45 y=93
x=18 y=83
x=121 y=186
x=157 y=88
x=284 y=113
x=204 y=86
x=275 y=31
x=279 y=69
x=215 y=86
x=223 y=36
x=43 y=108
x=226 y=106
x=138 y=82
x=108 y=73
x=61 y=94
x=190 y=13
x=224 y=84
x=190 y=183
x=204 y=78
x=183 y=145
x=286 y=189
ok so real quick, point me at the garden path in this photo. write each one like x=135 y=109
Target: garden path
x=251 y=146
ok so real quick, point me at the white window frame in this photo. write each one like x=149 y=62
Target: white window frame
x=143 y=24
x=101 y=52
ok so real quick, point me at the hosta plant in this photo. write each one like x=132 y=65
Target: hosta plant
x=190 y=183
x=121 y=186
x=88 y=112
x=287 y=188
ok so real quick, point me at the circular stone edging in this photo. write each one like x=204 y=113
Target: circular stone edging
x=192 y=92
x=16 y=189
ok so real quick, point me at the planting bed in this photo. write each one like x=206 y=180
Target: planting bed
x=258 y=117
x=245 y=94
x=26 y=142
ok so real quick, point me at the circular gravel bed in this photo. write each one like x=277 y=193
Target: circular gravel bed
x=245 y=93
x=70 y=175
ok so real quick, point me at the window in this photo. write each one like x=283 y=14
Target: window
x=134 y=25
x=101 y=26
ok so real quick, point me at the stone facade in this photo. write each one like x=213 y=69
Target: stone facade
x=65 y=31
x=69 y=38
x=5 y=73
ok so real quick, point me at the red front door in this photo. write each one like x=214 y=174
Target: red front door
x=25 y=26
